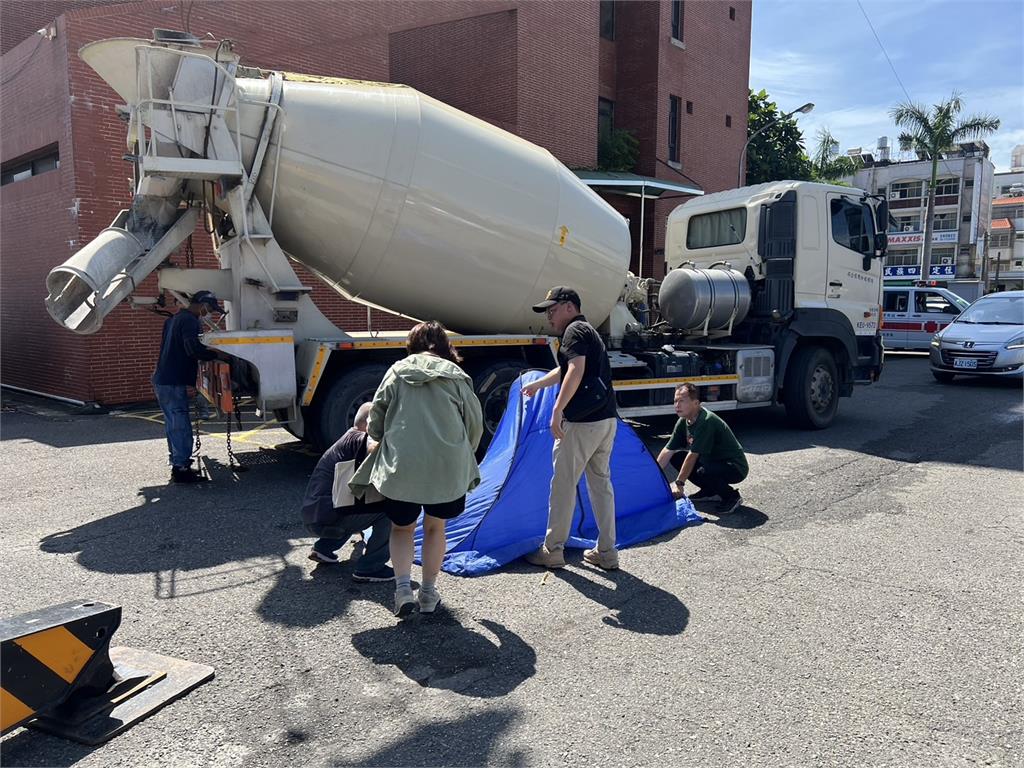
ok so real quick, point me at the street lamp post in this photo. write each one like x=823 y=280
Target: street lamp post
x=743 y=154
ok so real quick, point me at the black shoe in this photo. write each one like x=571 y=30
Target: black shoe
x=702 y=494
x=186 y=475
x=729 y=504
x=384 y=573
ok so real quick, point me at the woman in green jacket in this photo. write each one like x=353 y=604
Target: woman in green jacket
x=428 y=423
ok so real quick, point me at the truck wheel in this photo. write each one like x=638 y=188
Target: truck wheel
x=811 y=391
x=492 y=385
x=942 y=376
x=338 y=408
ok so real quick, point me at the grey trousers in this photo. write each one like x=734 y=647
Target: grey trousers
x=586 y=447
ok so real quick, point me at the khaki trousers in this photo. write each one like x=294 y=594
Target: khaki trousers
x=586 y=447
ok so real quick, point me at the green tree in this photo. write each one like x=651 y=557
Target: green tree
x=617 y=150
x=934 y=132
x=827 y=165
x=777 y=153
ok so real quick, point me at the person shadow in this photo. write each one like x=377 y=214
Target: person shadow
x=636 y=605
x=743 y=519
x=294 y=600
x=439 y=651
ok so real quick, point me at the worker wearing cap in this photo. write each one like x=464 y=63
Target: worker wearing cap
x=180 y=353
x=583 y=423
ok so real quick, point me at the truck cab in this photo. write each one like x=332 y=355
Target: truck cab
x=812 y=257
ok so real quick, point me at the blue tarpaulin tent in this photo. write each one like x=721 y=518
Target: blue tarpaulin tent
x=506 y=515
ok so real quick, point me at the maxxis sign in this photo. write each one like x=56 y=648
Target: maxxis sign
x=917 y=238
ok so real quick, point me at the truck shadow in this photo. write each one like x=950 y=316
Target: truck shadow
x=439 y=651
x=203 y=537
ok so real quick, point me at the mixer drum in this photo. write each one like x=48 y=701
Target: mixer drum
x=688 y=296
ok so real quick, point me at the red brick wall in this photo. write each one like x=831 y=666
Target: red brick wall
x=38 y=226
x=470 y=64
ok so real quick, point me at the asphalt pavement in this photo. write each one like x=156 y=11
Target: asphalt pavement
x=864 y=607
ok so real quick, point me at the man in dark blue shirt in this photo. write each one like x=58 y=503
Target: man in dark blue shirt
x=176 y=370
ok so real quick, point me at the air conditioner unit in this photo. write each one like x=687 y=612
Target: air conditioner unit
x=946 y=261
x=908 y=227
x=894 y=195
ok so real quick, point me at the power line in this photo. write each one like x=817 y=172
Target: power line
x=884 y=52
x=906 y=93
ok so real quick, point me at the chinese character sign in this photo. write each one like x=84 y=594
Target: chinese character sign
x=942 y=270
x=899 y=272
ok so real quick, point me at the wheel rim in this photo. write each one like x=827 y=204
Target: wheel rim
x=494 y=407
x=822 y=389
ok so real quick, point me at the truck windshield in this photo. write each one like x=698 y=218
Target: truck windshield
x=995 y=310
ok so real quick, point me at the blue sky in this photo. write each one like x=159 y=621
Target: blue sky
x=823 y=51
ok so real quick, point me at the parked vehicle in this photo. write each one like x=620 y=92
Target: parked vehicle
x=402 y=202
x=914 y=314
x=987 y=339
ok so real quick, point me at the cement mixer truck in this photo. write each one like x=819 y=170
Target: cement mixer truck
x=401 y=202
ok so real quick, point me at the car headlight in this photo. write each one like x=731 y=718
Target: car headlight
x=935 y=341
x=1017 y=343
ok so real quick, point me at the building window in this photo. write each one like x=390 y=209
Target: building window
x=908 y=223
x=999 y=212
x=673 y=129
x=608 y=19
x=902 y=259
x=677 y=19
x=605 y=117
x=728 y=121
x=709 y=230
x=1000 y=241
x=41 y=161
x=689 y=107
x=904 y=189
x=732 y=13
x=943 y=257
x=944 y=222
x=947 y=187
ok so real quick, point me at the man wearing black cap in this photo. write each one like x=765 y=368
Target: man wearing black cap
x=583 y=423
x=180 y=353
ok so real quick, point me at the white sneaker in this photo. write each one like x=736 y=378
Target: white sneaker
x=428 y=600
x=404 y=602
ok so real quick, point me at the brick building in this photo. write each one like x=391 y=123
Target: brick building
x=672 y=73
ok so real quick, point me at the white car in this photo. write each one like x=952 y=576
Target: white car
x=987 y=339
x=914 y=314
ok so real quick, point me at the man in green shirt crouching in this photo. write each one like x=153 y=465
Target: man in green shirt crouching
x=705 y=451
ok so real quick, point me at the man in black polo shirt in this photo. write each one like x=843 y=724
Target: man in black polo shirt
x=583 y=423
x=705 y=451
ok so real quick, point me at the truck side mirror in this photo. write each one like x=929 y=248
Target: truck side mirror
x=881 y=244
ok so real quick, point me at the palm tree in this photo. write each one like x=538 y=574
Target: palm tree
x=933 y=133
x=827 y=164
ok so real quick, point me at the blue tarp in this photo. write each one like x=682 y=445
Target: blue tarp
x=506 y=515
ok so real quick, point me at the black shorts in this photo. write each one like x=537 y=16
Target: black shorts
x=406 y=512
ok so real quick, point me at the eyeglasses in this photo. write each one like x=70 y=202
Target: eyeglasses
x=551 y=310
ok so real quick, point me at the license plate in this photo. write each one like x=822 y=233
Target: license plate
x=965 y=362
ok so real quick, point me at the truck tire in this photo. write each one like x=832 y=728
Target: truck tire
x=338 y=408
x=811 y=392
x=943 y=377
x=491 y=385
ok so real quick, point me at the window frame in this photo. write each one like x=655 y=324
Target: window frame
x=677 y=20
x=674 y=122
x=741 y=232
x=609 y=20
x=866 y=218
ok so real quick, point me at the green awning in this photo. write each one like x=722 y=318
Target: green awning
x=633 y=184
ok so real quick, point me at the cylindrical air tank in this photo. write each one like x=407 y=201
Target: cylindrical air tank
x=690 y=298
